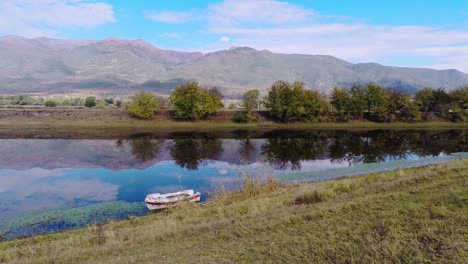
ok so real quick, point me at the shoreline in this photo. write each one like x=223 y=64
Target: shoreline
x=337 y=205
x=128 y=128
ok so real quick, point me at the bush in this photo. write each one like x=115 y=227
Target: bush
x=143 y=105
x=190 y=102
x=90 y=101
x=241 y=117
x=292 y=102
x=50 y=103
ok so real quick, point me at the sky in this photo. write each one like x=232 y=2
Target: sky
x=416 y=33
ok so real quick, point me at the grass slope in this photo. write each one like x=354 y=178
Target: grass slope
x=417 y=215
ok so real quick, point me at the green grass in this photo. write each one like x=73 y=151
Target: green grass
x=417 y=215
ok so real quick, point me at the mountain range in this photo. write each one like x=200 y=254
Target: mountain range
x=50 y=66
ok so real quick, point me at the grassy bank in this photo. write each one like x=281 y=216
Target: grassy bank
x=125 y=128
x=417 y=215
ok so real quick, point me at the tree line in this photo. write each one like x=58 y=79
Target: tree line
x=289 y=102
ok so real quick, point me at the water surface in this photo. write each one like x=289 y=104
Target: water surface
x=55 y=184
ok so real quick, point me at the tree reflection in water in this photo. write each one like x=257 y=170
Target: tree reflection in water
x=145 y=148
x=189 y=153
x=287 y=149
x=247 y=150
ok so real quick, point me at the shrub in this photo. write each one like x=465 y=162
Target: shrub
x=50 y=103
x=90 y=101
x=292 y=102
x=143 y=105
x=190 y=102
x=242 y=117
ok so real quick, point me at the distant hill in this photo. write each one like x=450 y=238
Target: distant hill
x=43 y=65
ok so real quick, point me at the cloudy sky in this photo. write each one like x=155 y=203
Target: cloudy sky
x=422 y=33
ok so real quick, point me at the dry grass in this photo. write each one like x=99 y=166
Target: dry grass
x=408 y=216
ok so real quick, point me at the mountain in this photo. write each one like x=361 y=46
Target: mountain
x=44 y=65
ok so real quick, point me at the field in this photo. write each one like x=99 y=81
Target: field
x=417 y=215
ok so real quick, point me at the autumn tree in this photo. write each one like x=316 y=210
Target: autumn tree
x=191 y=102
x=143 y=105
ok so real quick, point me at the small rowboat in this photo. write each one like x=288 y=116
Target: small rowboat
x=157 y=201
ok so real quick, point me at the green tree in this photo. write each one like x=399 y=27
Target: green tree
x=251 y=100
x=460 y=97
x=50 y=103
x=143 y=105
x=90 y=101
x=402 y=108
x=441 y=100
x=358 y=101
x=341 y=102
x=425 y=99
x=377 y=103
x=190 y=102
x=292 y=102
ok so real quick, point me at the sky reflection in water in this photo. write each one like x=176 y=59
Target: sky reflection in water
x=38 y=175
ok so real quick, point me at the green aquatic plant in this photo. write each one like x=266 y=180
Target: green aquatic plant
x=76 y=217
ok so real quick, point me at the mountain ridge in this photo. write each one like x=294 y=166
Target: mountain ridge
x=112 y=65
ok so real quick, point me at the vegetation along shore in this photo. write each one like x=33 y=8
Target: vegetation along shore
x=407 y=215
x=287 y=105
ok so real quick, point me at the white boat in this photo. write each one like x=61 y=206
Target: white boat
x=157 y=201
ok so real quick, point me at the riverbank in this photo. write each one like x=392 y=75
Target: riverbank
x=410 y=215
x=116 y=123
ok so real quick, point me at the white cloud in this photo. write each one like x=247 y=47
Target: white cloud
x=224 y=39
x=47 y=17
x=258 y=11
x=169 y=17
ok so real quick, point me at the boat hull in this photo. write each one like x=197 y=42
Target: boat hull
x=158 y=205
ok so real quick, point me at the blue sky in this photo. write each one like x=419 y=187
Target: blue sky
x=422 y=33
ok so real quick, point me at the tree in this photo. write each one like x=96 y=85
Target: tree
x=292 y=102
x=460 y=97
x=190 y=102
x=143 y=105
x=358 y=101
x=441 y=100
x=377 y=103
x=425 y=98
x=341 y=102
x=90 y=101
x=50 y=103
x=251 y=100
x=401 y=108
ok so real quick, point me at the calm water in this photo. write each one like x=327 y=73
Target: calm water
x=54 y=184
